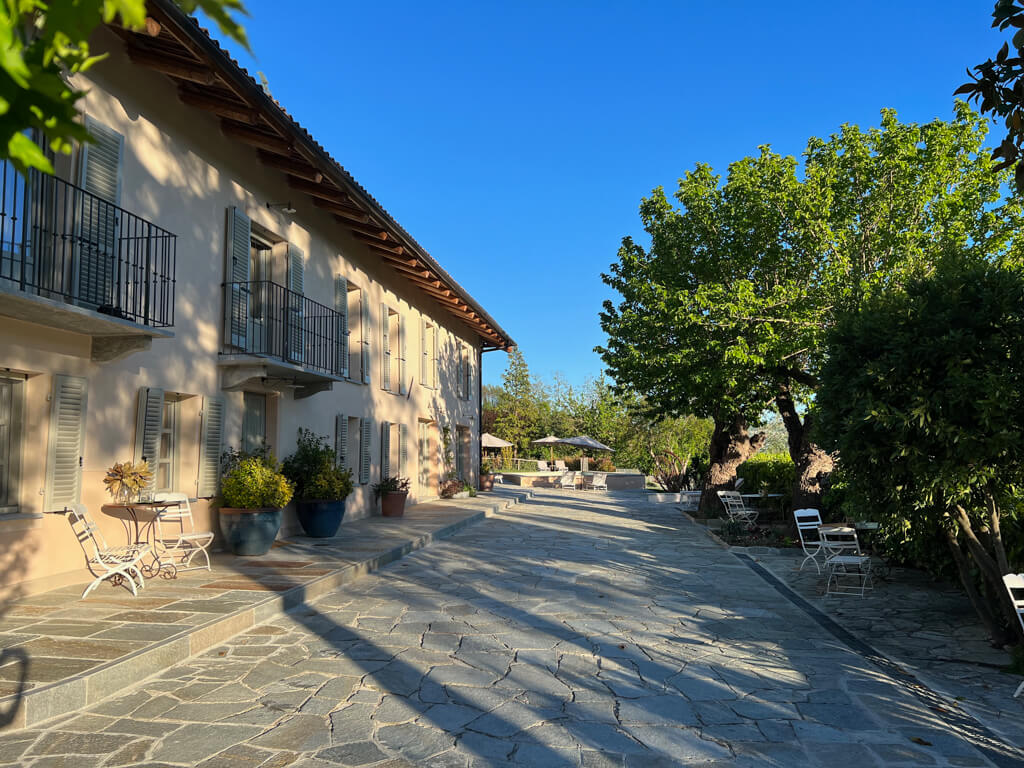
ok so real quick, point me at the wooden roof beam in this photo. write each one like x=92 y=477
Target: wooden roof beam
x=373 y=231
x=220 y=107
x=294 y=168
x=316 y=189
x=183 y=69
x=259 y=139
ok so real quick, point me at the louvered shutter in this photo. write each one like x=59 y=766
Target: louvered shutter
x=385 y=348
x=236 y=275
x=424 y=356
x=66 y=445
x=403 y=451
x=340 y=438
x=460 y=371
x=211 y=442
x=147 y=429
x=364 y=450
x=385 y=450
x=97 y=247
x=341 y=331
x=436 y=354
x=297 y=285
x=403 y=346
x=470 y=361
x=364 y=336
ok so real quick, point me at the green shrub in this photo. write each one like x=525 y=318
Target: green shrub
x=255 y=483
x=314 y=470
x=391 y=485
x=603 y=465
x=769 y=473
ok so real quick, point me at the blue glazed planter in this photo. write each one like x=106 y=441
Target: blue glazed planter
x=320 y=519
x=250 y=531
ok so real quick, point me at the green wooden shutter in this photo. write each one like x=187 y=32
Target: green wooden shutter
x=236 y=274
x=385 y=450
x=364 y=450
x=364 y=335
x=66 y=446
x=148 y=423
x=403 y=451
x=403 y=348
x=340 y=438
x=211 y=442
x=385 y=348
x=341 y=331
x=297 y=285
x=99 y=175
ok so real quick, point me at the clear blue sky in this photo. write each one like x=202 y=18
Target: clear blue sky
x=515 y=140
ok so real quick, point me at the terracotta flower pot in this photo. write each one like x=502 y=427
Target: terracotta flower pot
x=249 y=532
x=393 y=504
x=486 y=482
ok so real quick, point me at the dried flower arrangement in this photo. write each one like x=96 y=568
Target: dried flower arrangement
x=125 y=480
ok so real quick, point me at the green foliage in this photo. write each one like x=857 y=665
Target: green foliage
x=43 y=41
x=314 y=470
x=255 y=483
x=390 y=485
x=517 y=413
x=769 y=473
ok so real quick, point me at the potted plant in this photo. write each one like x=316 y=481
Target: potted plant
x=253 y=493
x=486 y=476
x=321 y=486
x=392 y=492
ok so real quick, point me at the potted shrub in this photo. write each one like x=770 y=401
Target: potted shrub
x=321 y=486
x=392 y=492
x=486 y=476
x=253 y=492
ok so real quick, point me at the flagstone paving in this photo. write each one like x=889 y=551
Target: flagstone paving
x=574 y=629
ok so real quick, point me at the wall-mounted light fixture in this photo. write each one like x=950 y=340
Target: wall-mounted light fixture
x=282 y=207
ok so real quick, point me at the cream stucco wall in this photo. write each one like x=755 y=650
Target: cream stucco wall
x=181 y=173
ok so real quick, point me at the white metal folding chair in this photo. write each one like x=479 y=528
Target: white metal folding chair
x=176 y=540
x=849 y=571
x=597 y=481
x=735 y=509
x=120 y=564
x=1014 y=583
x=567 y=480
x=807 y=523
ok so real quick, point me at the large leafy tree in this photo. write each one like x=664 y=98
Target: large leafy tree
x=923 y=395
x=42 y=43
x=517 y=410
x=725 y=314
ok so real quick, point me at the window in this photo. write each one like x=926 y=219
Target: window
x=254 y=421
x=358 y=335
x=393 y=343
x=423 y=452
x=167 y=458
x=462 y=461
x=11 y=395
x=428 y=354
x=347 y=443
x=465 y=373
x=393 y=452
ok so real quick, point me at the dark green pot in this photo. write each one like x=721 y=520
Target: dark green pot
x=320 y=519
x=250 y=532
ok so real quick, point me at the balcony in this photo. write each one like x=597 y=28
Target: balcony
x=72 y=260
x=277 y=339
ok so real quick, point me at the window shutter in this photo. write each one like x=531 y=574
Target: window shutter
x=66 y=445
x=385 y=450
x=403 y=451
x=100 y=175
x=211 y=441
x=297 y=285
x=364 y=335
x=424 y=356
x=147 y=429
x=364 y=450
x=460 y=372
x=340 y=438
x=403 y=385
x=236 y=274
x=435 y=351
x=385 y=349
x=470 y=359
x=341 y=342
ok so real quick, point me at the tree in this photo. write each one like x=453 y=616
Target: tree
x=517 y=408
x=998 y=85
x=923 y=396
x=44 y=42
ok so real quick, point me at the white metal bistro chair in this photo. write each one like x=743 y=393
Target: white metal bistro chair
x=567 y=480
x=736 y=510
x=808 y=521
x=597 y=482
x=176 y=540
x=849 y=571
x=1014 y=583
x=119 y=564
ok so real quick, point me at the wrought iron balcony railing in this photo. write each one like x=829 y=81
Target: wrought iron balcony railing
x=267 y=319
x=60 y=242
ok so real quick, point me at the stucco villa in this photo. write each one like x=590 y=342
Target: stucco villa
x=203 y=276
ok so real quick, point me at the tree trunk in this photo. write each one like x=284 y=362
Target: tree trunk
x=996 y=628
x=814 y=465
x=730 y=447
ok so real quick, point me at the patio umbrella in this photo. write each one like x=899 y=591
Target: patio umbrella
x=582 y=441
x=551 y=441
x=487 y=440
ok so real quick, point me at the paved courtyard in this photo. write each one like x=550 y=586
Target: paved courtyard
x=574 y=629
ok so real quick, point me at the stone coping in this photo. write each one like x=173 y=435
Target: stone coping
x=76 y=642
